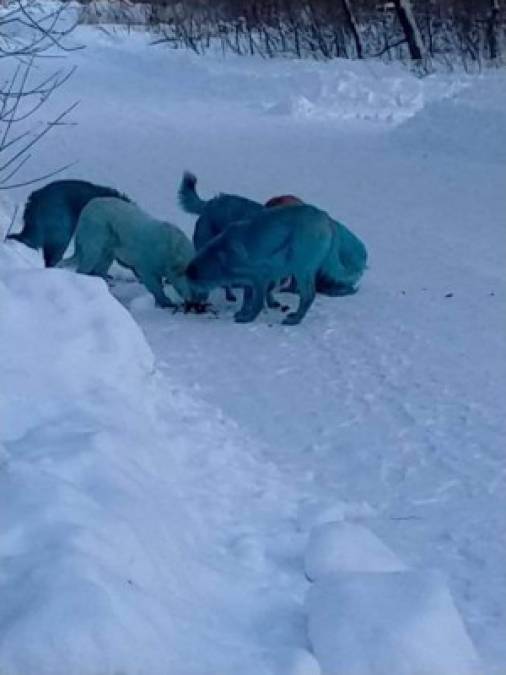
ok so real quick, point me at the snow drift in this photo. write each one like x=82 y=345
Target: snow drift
x=392 y=623
x=115 y=521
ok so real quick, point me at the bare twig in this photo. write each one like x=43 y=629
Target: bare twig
x=37 y=34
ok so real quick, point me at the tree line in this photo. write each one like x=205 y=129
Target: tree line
x=423 y=32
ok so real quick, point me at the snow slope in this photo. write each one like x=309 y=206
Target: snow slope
x=122 y=546
x=199 y=481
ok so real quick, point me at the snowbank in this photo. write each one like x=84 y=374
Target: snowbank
x=118 y=499
x=470 y=125
x=398 y=623
x=369 y=615
x=347 y=547
x=363 y=91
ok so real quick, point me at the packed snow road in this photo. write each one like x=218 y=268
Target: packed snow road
x=383 y=407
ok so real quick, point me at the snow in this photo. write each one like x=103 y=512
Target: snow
x=161 y=474
x=118 y=533
x=347 y=547
x=397 y=623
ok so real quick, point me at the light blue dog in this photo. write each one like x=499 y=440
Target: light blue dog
x=157 y=252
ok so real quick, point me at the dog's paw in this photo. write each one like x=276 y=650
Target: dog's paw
x=194 y=307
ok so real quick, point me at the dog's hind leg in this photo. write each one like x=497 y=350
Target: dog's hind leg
x=229 y=295
x=307 y=292
x=270 y=299
x=92 y=260
x=102 y=267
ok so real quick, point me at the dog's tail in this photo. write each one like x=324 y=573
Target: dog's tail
x=188 y=197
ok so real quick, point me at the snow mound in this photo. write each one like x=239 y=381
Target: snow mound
x=359 y=91
x=341 y=89
x=347 y=547
x=296 y=662
x=118 y=499
x=444 y=126
x=14 y=255
x=398 y=623
x=313 y=513
x=70 y=339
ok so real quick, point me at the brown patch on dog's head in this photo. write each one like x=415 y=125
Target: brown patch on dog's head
x=283 y=200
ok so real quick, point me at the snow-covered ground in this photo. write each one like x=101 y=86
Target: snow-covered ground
x=161 y=477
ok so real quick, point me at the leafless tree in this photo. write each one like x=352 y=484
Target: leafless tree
x=29 y=35
x=353 y=26
x=469 y=32
x=492 y=29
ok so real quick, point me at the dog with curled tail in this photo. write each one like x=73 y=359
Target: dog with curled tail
x=277 y=243
x=339 y=274
x=158 y=252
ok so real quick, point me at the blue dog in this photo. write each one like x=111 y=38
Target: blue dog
x=51 y=214
x=338 y=275
x=285 y=241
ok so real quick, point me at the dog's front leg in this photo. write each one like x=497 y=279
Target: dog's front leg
x=155 y=287
x=253 y=302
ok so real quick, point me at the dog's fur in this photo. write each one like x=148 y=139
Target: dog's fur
x=51 y=214
x=111 y=229
x=339 y=274
x=345 y=264
x=290 y=241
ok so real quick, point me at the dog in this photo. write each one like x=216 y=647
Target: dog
x=291 y=241
x=111 y=229
x=340 y=273
x=214 y=215
x=51 y=214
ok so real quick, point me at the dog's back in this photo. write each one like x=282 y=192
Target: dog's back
x=296 y=234
x=134 y=237
x=275 y=243
x=220 y=212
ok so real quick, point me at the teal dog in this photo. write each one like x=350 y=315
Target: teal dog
x=110 y=229
x=339 y=274
x=51 y=214
x=285 y=241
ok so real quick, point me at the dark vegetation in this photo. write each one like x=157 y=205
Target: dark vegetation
x=469 y=33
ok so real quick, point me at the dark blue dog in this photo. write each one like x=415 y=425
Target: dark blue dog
x=339 y=273
x=51 y=214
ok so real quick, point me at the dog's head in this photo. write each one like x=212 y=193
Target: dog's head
x=283 y=200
